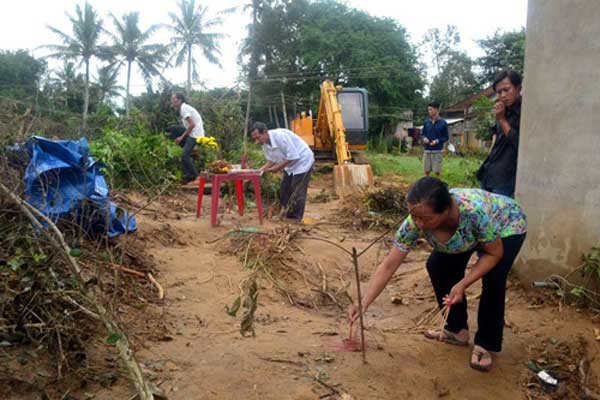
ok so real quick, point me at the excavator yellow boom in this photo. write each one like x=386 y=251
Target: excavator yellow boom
x=330 y=124
x=329 y=135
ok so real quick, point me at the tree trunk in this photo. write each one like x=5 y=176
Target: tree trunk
x=254 y=50
x=127 y=99
x=270 y=113
x=86 y=93
x=285 y=119
x=188 y=88
x=276 y=117
x=295 y=109
x=247 y=118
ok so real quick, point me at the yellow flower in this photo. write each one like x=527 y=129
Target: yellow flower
x=208 y=142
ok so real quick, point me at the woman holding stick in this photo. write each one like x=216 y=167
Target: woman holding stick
x=457 y=223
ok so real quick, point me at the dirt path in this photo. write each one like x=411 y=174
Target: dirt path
x=293 y=353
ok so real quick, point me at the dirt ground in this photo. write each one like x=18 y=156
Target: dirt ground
x=196 y=350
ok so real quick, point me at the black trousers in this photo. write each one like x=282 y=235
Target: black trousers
x=293 y=193
x=446 y=270
x=189 y=171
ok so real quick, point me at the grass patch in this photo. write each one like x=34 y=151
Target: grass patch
x=456 y=171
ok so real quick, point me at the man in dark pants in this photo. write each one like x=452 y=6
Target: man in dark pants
x=284 y=150
x=498 y=173
x=194 y=128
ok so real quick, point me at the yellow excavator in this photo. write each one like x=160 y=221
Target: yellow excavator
x=340 y=132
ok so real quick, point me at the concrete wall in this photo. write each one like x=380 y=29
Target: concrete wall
x=558 y=180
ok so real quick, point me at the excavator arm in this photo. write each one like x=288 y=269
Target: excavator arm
x=330 y=135
x=329 y=123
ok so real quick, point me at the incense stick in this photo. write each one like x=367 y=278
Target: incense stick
x=360 y=309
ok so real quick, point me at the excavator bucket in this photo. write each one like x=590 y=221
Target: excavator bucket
x=348 y=178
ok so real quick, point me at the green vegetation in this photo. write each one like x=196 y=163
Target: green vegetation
x=130 y=48
x=503 y=50
x=296 y=44
x=191 y=30
x=484 y=118
x=137 y=161
x=457 y=171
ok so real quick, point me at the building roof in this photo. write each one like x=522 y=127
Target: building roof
x=449 y=121
x=468 y=102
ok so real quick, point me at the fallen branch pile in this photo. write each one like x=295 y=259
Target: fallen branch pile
x=59 y=289
x=374 y=209
x=92 y=298
x=273 y=258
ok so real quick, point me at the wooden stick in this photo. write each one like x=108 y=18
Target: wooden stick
x=56 y=237
x=161 y=292
x=128 y=270
x=360 y=309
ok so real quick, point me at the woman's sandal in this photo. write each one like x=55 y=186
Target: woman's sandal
x=480 y=354
x=445 y=336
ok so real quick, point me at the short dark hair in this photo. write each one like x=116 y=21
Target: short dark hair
x=434 y=104
x=179 y=96
x=260 y=126
x=513 y=76
x=431 y=191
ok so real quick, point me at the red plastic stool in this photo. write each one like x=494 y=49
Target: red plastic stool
x=216 y=180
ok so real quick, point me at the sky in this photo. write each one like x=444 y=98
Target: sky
x=23 y=25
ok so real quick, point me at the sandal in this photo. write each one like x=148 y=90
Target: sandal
x=446 y=336
x=480 y=358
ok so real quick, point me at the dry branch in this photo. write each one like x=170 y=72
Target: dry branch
x=57 y=238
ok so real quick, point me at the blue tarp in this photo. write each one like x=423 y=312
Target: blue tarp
x=60 y=175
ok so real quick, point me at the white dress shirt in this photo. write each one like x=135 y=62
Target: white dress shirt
x=286 y=145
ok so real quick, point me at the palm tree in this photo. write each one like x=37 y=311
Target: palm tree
x=82 y=44
x=129 y=47
x=107 y=82
x=69 y=83
x=249 y=46
x=190 y=30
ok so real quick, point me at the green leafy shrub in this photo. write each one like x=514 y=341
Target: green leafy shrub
x=484 y=118
x=138 y=161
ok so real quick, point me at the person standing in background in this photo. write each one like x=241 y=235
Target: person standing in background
x=498 y=173
x=435 y=134
x=194 y=128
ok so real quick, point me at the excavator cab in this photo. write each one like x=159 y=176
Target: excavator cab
x=341 y=127
x=355 y=116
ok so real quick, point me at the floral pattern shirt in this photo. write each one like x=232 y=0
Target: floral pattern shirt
x=483 y=217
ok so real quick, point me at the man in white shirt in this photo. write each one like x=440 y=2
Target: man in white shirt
x=284 y=150
x=194 y=128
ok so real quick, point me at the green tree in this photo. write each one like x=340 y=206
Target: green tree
x=256 y=8
x=484 y=117
x=20 y=74
x=191 y=29
x=82 y=44
x=503 y=50
x=107 y=81
x=455 y=81
x=454 y=78
x=442 y=45
x=300 y=43
x=69 y=87
x=130 y=47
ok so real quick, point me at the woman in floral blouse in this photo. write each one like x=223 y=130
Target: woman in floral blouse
x=457 y=223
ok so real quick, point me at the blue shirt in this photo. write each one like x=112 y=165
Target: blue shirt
x=435 y=131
